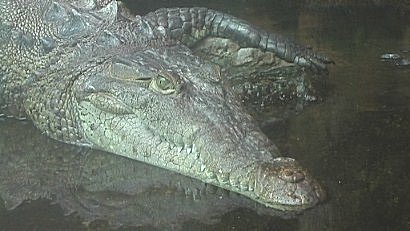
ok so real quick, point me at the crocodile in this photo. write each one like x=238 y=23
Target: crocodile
x=128 y=193
x=89 y=73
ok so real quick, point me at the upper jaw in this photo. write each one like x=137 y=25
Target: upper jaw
x=283 y=184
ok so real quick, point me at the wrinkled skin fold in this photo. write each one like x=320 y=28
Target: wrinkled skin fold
x=88 y=73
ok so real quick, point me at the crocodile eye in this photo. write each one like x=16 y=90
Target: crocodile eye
x=163 y=84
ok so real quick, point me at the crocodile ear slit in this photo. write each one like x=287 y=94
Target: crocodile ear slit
x=126 y=71
x=108 y=103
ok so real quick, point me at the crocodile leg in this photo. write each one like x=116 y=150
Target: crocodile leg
x=191 y=25
x=260 y=78
x=263 y=68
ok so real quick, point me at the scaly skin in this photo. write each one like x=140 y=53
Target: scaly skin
x=128 y=193
x=87 y=73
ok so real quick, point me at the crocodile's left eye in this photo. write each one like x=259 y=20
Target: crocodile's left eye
x=163 y=84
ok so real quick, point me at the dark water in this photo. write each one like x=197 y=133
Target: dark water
x=356 y=142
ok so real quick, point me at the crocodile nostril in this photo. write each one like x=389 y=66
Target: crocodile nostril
x=291 y=175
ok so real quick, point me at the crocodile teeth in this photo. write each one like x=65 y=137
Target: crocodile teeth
x=188 y=149
x=179 y=149
x=193 y=148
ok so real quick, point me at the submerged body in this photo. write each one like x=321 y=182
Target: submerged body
x=88 y=73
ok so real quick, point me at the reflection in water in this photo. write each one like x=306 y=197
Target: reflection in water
x=355 y=142
x=100 y=186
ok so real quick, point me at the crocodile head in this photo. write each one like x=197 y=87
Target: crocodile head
x=171 y=109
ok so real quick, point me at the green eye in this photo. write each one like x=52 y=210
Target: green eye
x=163 y=84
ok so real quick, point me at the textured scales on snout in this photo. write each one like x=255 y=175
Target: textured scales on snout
x=86 y=72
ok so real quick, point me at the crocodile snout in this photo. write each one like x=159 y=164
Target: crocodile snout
x=285 y=185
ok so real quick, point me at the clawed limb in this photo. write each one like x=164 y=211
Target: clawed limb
x=191 y=25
